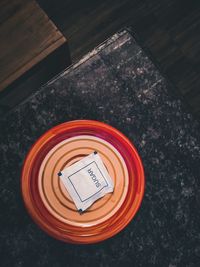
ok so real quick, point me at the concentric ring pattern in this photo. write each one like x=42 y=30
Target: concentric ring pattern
x=56 y=197
x=48 y=202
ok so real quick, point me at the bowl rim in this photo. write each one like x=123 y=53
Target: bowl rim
x=28 y=201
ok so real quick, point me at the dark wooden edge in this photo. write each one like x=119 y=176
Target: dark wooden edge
x=34 y=78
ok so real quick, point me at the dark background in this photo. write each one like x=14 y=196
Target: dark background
x=170 y=29
x=137 y=100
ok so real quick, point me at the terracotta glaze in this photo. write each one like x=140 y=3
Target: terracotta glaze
x=49 y=203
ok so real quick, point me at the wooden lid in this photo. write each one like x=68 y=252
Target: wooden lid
x=49 y=203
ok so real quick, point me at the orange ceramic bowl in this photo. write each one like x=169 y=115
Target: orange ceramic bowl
x=48 y=202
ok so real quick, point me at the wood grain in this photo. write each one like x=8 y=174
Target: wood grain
x=27 y=36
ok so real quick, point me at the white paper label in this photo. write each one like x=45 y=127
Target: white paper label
x=86 y=181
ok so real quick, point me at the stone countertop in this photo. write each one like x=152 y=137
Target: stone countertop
x=118 y=84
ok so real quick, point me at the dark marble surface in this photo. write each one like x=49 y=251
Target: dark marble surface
x=118 y=84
